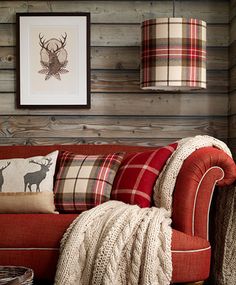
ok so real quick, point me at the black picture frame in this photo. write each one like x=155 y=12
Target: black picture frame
x=53 y=60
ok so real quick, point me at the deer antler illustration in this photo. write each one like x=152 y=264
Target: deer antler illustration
x=38 y=176
x=53 y=56
x=63 y=43
x=42 y=43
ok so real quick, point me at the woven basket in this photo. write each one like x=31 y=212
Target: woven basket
x=16 y=275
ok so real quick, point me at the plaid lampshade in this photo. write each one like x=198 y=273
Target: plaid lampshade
x=173 y=54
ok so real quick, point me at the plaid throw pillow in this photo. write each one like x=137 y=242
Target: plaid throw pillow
x=83 y=181
x=137 y=175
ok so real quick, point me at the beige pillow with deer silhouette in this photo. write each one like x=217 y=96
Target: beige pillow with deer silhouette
x=26 y=184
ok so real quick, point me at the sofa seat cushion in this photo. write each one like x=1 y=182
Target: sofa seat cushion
x=33 y=240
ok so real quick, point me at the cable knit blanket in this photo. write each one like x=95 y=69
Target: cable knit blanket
x=115 y=243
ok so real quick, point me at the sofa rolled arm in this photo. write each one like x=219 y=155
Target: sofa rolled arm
x=200 y=173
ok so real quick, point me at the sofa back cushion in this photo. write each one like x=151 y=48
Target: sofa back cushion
x=83 y=181
x=26 y=184
x=137 y=175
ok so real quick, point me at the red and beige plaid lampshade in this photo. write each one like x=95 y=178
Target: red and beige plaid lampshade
x=173 y=54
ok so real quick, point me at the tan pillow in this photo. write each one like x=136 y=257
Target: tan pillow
x=33 y=202
x=26 y=185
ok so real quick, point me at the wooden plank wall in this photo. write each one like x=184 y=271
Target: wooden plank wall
x=232 y=75
x=120 y=112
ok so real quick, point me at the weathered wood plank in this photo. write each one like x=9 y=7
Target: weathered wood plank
x=8 y=10
x=232 y=52
x=232 y=126
x=7 y=35
x=122 y=81
x=130 y=35
x=111 y=127
x=121 y=58
x=232 y=145
x=232 y=103
x=69 y=141
x=232 y=30
x=232 y=9
x=128 y=81
x=7 y=80
x=121 y=35
x=7 y=58
x=121 y=11
x=133 y=104
x=129 y=58
x=232 y=81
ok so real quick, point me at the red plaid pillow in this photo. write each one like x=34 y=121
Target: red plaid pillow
x=83 y=181
x=137 y=175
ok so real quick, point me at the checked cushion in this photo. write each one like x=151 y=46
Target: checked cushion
x=84 y=181
x=137 y=175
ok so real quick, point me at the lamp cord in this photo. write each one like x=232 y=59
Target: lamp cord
x=173 y=8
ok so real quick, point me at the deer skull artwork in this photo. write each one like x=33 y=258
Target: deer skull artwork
x=53 y=57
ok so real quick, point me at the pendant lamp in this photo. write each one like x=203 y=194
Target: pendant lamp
x=173 y=54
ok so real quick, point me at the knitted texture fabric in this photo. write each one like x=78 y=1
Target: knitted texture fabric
x=116 y=243
x=165 y=183
x=224 y=243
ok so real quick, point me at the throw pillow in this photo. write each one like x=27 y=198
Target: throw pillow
x=26 y=184
x=137 y=175
x=83 y=181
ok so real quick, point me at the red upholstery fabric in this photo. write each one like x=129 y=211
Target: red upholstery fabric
x=33 y=240
x=194 y=187
x=26 y=151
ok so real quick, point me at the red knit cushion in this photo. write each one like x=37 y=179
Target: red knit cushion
x=137 y=174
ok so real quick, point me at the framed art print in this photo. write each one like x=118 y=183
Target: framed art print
x=53 y=68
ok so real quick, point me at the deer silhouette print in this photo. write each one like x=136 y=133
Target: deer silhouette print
x=53 y=57
x=1 y=176
x=35 y=178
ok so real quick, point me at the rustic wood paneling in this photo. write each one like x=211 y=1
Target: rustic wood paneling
x=232 y=9
x=232 y=33
x=121 y=11
x=232 y=127
x=121 y=112
x=111 y=127
x=121 y=35
x=121 y=81
x=232 y=78
x=232 y=81
x=232 y=103
x=133 y=104
x=232 y=53
x=121 y=58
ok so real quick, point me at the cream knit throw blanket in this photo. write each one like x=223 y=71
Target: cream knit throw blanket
x=115 y=243
x=166 y=181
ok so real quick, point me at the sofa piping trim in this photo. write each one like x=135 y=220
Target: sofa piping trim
x=56 y=249
x=195 y=199
x=29 y=248
x=191 y=250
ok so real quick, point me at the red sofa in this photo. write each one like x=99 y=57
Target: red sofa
x=33 y=240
